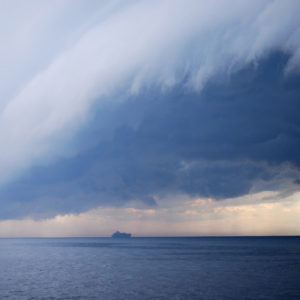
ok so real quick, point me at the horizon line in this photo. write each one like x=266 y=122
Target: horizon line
x=150 y=236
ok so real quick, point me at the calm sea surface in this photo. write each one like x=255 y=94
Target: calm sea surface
x=150 y=268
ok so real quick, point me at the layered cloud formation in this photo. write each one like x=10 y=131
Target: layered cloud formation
x=115 y=102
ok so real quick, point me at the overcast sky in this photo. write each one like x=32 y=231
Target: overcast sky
x=158 y=117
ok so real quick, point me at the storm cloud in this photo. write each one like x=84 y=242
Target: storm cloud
x=148 y=100
x=241 y=134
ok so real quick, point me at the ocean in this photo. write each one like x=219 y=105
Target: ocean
x=150 y=268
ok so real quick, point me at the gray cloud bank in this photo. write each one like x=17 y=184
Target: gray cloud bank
x=150 y=99
x=239 y=135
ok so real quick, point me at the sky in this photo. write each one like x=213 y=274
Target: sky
x=153 y=117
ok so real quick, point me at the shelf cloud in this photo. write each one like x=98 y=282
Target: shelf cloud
x=108 y=103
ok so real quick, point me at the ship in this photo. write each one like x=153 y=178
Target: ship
x=122 y=235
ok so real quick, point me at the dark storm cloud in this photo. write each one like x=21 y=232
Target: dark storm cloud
x=239 y=131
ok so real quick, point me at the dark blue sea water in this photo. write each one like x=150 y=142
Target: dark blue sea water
x=150 y=268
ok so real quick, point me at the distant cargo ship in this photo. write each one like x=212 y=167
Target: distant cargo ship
x=123 y=235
